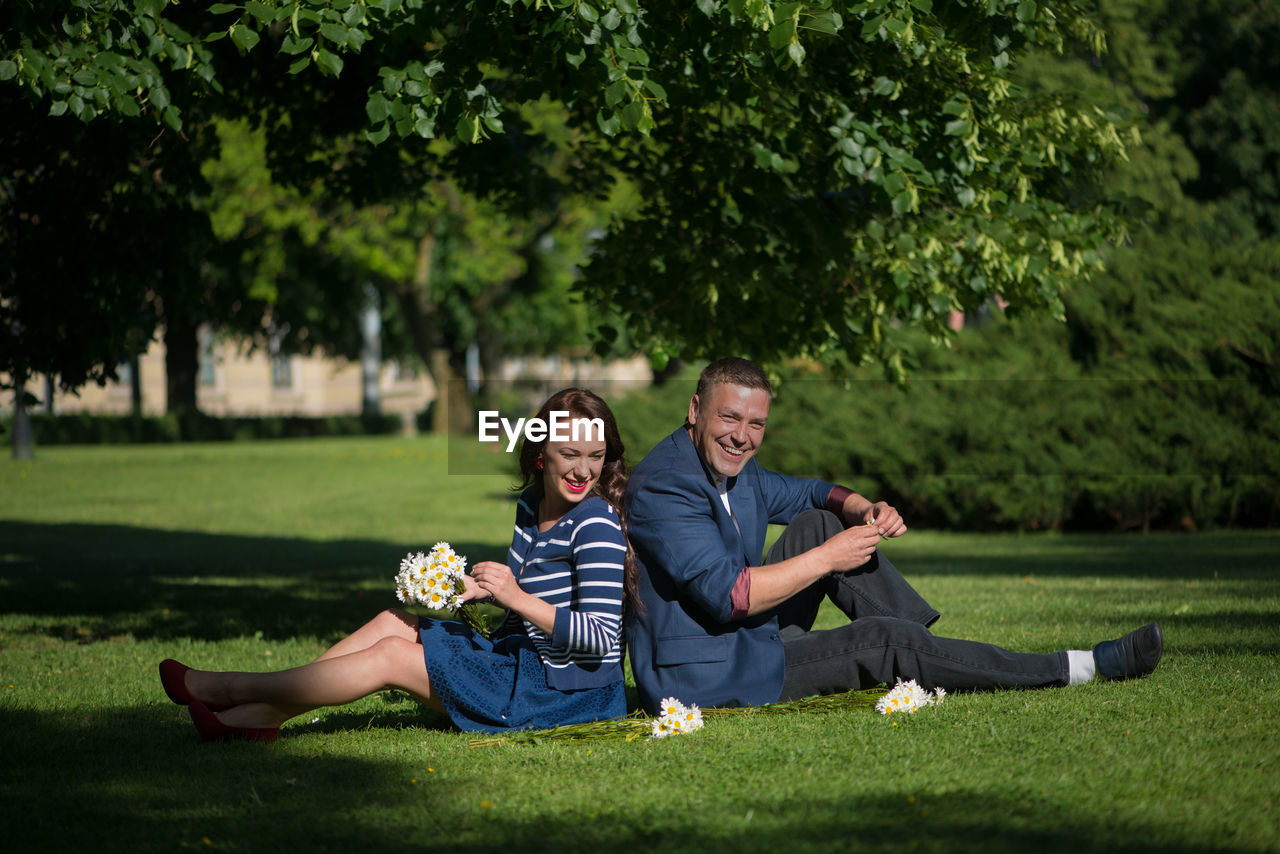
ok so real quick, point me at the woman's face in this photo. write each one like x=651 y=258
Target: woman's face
x=570 y=470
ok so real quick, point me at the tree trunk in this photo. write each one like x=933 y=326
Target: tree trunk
x=135 y=386
x=452 y=411
x=181 y=364
x=370 y=351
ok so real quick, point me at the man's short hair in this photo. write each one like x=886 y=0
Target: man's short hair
x=735 y=371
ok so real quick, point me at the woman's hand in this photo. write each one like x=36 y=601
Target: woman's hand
x=492 y=581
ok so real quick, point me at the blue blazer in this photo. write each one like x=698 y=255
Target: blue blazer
x=690 y=553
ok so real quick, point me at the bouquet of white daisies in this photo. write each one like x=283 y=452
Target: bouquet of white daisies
x=435 y=579
x=675 y=718
x=906 y=697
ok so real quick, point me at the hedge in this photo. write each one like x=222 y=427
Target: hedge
x=85 y=429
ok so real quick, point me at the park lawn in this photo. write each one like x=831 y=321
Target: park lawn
x=256 y=555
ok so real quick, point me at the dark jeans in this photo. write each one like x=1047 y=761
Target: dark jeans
x=888 y=636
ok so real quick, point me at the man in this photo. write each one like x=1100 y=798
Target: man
x=718 y=628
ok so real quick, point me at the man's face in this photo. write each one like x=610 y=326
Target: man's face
x=728 y=427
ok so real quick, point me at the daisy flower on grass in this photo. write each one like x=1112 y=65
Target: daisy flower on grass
x=907 y=697
x=674 y=718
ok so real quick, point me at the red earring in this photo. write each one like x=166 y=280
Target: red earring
x=539 y=464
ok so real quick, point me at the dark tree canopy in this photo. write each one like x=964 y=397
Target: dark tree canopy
x=812 y=176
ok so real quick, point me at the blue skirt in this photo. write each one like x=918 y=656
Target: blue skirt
x=497 y=684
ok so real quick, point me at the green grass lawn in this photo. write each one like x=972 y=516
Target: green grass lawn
x=257 y=555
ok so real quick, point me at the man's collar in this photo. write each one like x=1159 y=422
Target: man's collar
x=683 y=439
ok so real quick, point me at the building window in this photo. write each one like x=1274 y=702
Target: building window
x=405 y=371
x=281 y=371
x=208 y=373
x=281 y=362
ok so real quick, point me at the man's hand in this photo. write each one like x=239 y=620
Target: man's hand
x=850 y=548
x=887 y=520
x=859 y=511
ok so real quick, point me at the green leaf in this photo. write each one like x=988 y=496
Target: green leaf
x=222 y=8
x=782 y=34
x=611 y=20
x=334 y=33
x=796 y=51
x=173 y=119
x=575 y=59
x=616 y=92
x=923 y=5
x=957 y=127
x=261 y=11
x=708 y=7
x=425 y=128
x=244 y=37
x=883 y=86
x=330 y=63
x=433 y=68
x=376 y=108
x=57 y=108
x=588 y=13
x=378 y=136
x=299 y=64
x=1026 y=11
x=8 y=69
x=825 y=22
x=656 y=89
x=294 y=46
x=468 y=129
x=631 y=114
x=609 y=123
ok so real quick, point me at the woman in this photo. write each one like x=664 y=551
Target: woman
x=557 y=657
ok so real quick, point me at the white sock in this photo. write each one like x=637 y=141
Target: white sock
x=1080 y=666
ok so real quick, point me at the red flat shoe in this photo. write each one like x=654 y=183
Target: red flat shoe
x=173 y=677
x=212 y=729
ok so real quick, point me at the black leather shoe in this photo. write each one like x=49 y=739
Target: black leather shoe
x=1132 y=656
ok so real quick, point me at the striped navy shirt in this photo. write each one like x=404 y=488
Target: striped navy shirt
x=576 y=565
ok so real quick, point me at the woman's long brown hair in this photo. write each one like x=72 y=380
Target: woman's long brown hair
x=581 y=403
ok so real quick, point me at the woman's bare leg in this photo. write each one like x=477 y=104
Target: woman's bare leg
x=390 y=623
x=269 y=699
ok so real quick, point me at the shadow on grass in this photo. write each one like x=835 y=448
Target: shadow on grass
x=86 y=582
x=99 y=581
x=136 y=784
